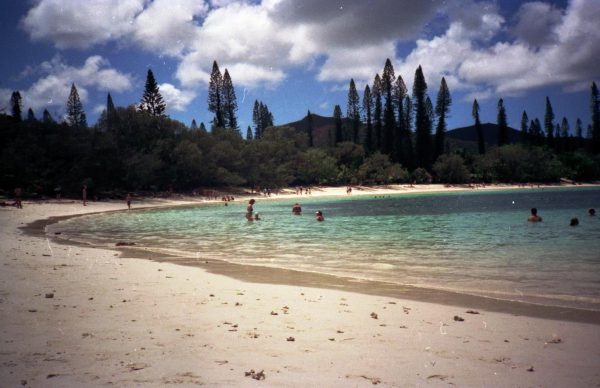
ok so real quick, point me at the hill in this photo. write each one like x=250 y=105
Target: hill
x=463 y=137
x=321 y=127
x=490 y=134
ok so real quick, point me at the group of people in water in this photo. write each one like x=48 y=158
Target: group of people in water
x=534 y=217
x=296 y=210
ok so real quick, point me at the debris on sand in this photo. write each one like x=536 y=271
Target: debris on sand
x=49 y=295
x=472 y=312
x=124 y=244
x=458 y=319
x=274 y=313
x=374 y=316
x=530 y=369
x=256 y=376
x=291 y=339
x=555 y=340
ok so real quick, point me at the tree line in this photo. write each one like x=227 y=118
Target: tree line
x=388 y=137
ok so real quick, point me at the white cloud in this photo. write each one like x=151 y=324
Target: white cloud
x=54 y=86
x=73 y=23
x=168 y=26
x=536 y=23
x=261 y=42
x=174 y=98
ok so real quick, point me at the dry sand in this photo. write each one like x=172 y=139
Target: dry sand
x=80 y=316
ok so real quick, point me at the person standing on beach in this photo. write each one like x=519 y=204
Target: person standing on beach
x=534 y=217
x=128 y=199
x=18 y=193
x=84 y=195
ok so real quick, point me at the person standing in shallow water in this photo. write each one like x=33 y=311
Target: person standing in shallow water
x=319 y=216
x=297 y=209
x=250 y=210
x=534 y=217
x=84 y=195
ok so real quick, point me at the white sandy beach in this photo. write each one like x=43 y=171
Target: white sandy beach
x=79 y=316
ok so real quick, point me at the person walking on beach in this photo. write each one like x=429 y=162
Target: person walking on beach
x=534 y=217
x=128 y=200
x=84 y=195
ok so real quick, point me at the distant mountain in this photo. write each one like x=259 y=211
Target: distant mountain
x=490 y=134
x=322 y=126
x=464 y=137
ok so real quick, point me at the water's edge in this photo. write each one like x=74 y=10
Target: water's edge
x=270 y=275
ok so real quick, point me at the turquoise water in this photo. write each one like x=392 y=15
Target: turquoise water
x=472 y=242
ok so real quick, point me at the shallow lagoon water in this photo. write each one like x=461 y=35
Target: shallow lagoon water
x=471 y=242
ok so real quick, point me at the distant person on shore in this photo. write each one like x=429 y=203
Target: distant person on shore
x=250 y=210
x=574 y=221
x=534 y=217
x=84 y=195
x=128 y=200
x=18 y=193
x=319 y=216
x=591 y=212
x=297 y=209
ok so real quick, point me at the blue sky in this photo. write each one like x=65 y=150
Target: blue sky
x=300 y=55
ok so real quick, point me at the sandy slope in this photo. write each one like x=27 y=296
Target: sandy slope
x=128 y=322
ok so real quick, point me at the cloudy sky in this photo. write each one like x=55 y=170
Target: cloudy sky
x=297 y=55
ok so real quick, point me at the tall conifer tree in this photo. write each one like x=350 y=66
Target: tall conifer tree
x=194 y=126
x=30 y=116
x=75 y=114
x=502 y=124
x=422 y=122
x=407 y=158
x=215 y=95
x=353 y=111
x=310 y=129
x=16 y=105
x=442 y=107
x=367 y=109
x=248 y=134
x=152 y=101
x=337 y=115
x=524 y=123
x=595 y=110
x=256 y=120
x=377 y=111
x=400 y=134
x=578 y=133
x=478 y=129
x=229 y=102
x=389 y=115
x=47 y=117
x=549 y=123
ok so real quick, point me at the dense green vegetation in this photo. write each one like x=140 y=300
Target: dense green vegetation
x=139 y=148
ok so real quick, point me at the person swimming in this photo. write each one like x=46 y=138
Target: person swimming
x=319 y=216
x=296 y=209
x=574 y=221
x=257 y=217
x=534 y=217
x=591 y=212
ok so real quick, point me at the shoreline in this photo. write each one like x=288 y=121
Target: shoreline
x=291 y=277
x=73 y=315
